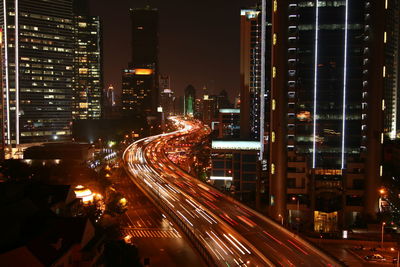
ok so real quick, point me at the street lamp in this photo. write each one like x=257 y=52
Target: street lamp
x=298 y=212
x=280 y=216
x=398 y=254
x=382 y=191
x=382 y=228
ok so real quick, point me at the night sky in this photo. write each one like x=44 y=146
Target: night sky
x=198 y=41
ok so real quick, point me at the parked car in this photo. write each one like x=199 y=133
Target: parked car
x=374 y=257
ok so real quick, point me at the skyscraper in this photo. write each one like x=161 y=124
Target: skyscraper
x=250 y=72
x=38 y=69
x=140 y=80
x=87 y=96
x=327 y=108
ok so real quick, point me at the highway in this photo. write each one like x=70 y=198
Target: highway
x=231 y=233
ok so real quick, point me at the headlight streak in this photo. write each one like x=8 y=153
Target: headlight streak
x=141 y=161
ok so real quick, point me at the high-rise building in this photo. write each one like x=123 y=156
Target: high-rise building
x=167 y=100
x=164 y=82
x=38 y=69
x=334 y=71
x=190 y=97
x=87 y=86
x=167 y=97
x=209 y=109
x=250 y=72
x=140 y=80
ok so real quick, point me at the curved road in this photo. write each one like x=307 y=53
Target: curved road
x=233 y=234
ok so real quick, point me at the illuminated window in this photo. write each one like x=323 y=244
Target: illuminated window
x=384 y=37
x=83 y=71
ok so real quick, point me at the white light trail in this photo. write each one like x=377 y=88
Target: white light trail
x=5 y=29
x=344 y=83
x=315 y=82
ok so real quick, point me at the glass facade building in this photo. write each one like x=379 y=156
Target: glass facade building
x=328 y=109
x=38 y=69
x=88 y=86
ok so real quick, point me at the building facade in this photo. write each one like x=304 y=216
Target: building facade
x=88 y=84
x=327 y=111
x=229 y=123
x=38 y=70
x=234 y=168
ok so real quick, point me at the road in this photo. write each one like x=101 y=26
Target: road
x=156 y=237
x=233 y=234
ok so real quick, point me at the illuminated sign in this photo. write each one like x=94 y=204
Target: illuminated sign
x=237 y=145
x=224 y=178
x=143 y=71
x=328 y=172
x=229 y=110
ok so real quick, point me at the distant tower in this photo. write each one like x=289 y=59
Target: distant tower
x=190 y=97
x=110 y=96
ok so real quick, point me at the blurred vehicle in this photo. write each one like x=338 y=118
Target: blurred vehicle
x=374 y=257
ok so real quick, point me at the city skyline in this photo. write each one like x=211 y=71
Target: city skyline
x=209 y=28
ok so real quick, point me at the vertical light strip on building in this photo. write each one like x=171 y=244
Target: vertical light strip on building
x=315 y=82
x=262 y=89
x=344 y=82
x=6 y=70
x=16 y=73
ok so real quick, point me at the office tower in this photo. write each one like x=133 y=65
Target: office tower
x=164 y=82
x=250 y=72
x=190 y=97
x=327 y=110
x=223 y=100
x=229 y=123
x=140 y=79
x=167 y=100
x=210 y=109
x=38 y=69
x=198 y=108
x=87 y=80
